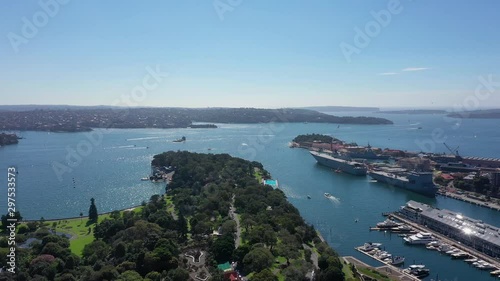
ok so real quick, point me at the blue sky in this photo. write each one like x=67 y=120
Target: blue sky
x=260 y=53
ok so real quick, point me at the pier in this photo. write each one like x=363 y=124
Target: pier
x=388 y=269
x=447 y=240
x=490 y=205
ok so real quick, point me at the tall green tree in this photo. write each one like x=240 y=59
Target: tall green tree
x=264 y=275
x=258 y=259
x=93 y=216
x=223 y=248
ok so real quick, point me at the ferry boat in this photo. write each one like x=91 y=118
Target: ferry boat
x=337 y=163
x=421 y=238
x=183 y=139
x=419 y=182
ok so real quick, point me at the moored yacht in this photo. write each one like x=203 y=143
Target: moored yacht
x=418 y=270
x=434 y=245
x=461 y=255
x=369 y=246
x=383 y=255
x=388 y=223
x=420 y=238
x=471 y=260
x=403 y=228
x=453 y=251
x=483 y=265
x=445 y=248
x=397 y=260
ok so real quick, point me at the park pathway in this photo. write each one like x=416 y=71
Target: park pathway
x=233 y=216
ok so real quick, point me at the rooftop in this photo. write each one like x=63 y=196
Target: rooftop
x=460 y=222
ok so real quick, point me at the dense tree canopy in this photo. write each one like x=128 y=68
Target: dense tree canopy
x=151 y=244
x=313 y=138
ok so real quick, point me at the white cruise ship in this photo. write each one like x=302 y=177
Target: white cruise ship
x=420 y=238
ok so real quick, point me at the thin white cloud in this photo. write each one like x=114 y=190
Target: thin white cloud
x=388 y=73
x=415 y=68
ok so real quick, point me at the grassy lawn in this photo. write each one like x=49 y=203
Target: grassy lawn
x=281 y=260
x=257 y=175
x=349 y=275
x=79 y=230
x=170 y=203
x=373 y=274
x=170 y=206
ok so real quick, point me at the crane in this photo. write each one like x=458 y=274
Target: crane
x=454 y=151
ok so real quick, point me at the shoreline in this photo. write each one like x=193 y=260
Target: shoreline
x=485 y=204
x=83 y=217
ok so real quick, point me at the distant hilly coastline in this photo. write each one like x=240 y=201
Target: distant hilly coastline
x=415 y=111
x=341 y=108
x=29 y=107
x=477 y=114
x=80 y=119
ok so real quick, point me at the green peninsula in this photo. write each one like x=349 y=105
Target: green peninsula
x=216 y=219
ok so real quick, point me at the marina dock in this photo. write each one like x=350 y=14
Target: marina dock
x=447 y=240
x=392 y=230
x=396 y=272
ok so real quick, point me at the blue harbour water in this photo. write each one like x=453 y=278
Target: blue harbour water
x=112 y=170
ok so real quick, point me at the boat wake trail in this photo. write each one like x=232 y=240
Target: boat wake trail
x=289 y=193
x=120 y=147
x=145 y=138
x=334 y=199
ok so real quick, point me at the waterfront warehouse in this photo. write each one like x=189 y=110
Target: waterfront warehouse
x=473 y=233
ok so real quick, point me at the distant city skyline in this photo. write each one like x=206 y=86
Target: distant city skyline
x=384 y=53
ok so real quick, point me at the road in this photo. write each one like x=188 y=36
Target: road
x=233 y=215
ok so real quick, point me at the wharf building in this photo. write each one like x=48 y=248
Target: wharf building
x=495 y=178
x=473 y=233
x=482 y=162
